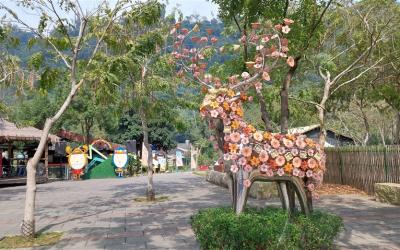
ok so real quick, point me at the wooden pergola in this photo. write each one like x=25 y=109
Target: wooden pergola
x=10 y=133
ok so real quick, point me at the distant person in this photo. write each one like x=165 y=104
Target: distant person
x=6 y=165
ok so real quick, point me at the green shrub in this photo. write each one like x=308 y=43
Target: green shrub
x=134 y=165
x=269 y=228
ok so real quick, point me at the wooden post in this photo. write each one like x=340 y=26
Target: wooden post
x=46 y=160
x=1 y=163
x=10 y=158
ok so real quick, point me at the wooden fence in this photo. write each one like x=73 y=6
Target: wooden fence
x=361 y=167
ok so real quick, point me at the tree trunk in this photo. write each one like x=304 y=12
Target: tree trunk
x=285 y=97
x=321 y=107
x=366 y=125
x=321 y=117
x=28 y=223
x=264 y=112
x=397 y=130
x=88 y=125
x=150 y=187
x=382 y=133
x=322 y=133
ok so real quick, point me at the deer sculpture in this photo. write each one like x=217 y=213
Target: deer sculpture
x=295 y=162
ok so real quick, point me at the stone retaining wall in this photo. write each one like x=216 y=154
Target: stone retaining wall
x=259 y=190
x=388 y=192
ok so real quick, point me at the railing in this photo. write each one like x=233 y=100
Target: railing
x=58 y=171
x=361 y=167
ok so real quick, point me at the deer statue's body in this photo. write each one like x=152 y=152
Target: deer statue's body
x=294 y=161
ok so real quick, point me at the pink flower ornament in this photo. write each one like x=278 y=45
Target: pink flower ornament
x=234 y=169
x=214 y=113
x=296 y=172
x=248 y=168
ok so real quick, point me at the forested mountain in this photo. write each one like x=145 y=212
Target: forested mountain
x=363 y=106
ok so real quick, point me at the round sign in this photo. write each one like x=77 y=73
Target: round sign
x=120 y=159
x=77 y=161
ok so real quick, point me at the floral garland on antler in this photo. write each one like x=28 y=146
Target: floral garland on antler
x=244 y=146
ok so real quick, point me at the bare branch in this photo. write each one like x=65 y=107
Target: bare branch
x=307 y=102
x=327 y=76
x=356 y=77
x=354 y=136
x=100 y=40
x=250 y=80
x=61 y=22
x=237 y=24
x=79 y=9
x=357 y=60
x=344 y=51
x=315 y=26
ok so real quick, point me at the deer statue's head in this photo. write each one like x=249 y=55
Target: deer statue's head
x=222 y=103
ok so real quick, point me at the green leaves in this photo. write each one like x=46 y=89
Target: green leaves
x=2 y=34
x=49 y=77
x=60 y=42
x=42 y=22
x=146 y=14
x=36 y=61
x=31 y=42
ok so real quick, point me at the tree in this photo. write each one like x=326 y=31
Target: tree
x=162 y=128
x=385 y=81
x=67 y=47
x=308 y=17
x=136 y=61
x=346 y=55
x=13 y=78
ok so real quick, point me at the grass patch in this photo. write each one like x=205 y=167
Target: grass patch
x=268 y=228
x=157 y=199
x=18 y=241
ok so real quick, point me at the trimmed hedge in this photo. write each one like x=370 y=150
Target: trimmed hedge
x=269 y=228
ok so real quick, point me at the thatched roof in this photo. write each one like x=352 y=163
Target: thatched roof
x=10 y=132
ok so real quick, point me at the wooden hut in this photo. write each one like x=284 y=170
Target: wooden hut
x=23 y=139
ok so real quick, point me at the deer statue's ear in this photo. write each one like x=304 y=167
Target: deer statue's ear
x=68 y=150
x=84 y=149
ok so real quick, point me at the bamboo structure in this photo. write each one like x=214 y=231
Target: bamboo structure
x=361 y=167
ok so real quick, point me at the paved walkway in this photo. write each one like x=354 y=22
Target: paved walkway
x=101 y=214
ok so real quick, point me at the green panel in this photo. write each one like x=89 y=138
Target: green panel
x=101 y=171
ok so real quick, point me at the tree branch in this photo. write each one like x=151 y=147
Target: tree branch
x=314 y=28
x=356 y=77
x=307 y=102
x=61 y=22
x=63 y=57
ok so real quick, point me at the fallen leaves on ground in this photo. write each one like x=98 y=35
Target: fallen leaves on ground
x=331 y=189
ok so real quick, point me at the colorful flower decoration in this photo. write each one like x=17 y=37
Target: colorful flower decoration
x=246 y=148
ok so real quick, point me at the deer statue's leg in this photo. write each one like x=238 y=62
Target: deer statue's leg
x=231 y=184
x=301 y=195
x=280 y=194
x=309 y=200
x=291 y=197
x=240 y=192
x=284 y=194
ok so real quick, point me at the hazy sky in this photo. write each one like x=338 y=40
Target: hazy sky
x=188 y=7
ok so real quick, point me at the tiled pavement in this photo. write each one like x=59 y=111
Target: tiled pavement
x=101 y=214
